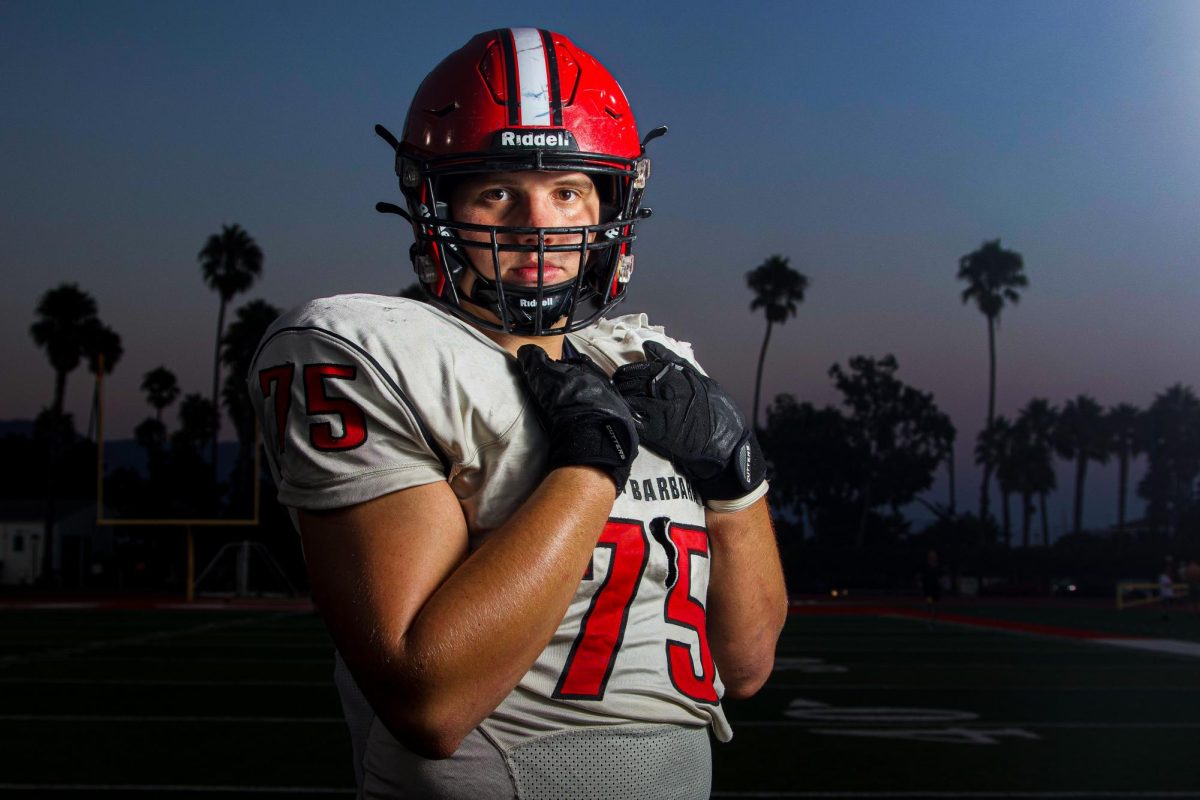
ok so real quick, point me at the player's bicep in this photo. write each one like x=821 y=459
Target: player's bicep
x=373 y=566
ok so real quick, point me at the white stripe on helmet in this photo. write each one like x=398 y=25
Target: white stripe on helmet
x=533 y=78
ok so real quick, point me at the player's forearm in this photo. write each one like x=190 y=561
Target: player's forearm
x=747 y=599
x=484 y=627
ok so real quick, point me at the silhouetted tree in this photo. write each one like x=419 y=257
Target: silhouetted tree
x=190 y=487
x=66 y=316
x=161 y=389
x=1038 y=420
x=993 y=446
x=895 y=428
x=944 y=434
x=195 y=422
x=993 y=275
x=1171 y=441
x=1123 y=421
x=1081 y=435
x=48 y=426
x=238 y=348
x=230 y=262
x=815 y=467
x=1029 y=469
x=103 y=349
x=151 y=436
x=778 y=289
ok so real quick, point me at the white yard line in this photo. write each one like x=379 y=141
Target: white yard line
x=969 y=795
x=1172 y=646
x=909 y=688
x=136 y=787
x=800 y=723
x=141 y=638
x=159 y=682
x=190 y=719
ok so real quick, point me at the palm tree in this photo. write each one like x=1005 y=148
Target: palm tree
x=1123 y=421
x=1081 y=435
x=195 y=423
x=190 y=487
x=151 y=436
x=1037 y=478
x=103 y=350
x=161 y=389
x=1029 y=468
x=944 y=434
x=237 y=352
x=230 y=261
x=993 y=275
x=777 y=290
x=1171 y=441
x=994 y=446
x=1038 y=420
x=66 y=316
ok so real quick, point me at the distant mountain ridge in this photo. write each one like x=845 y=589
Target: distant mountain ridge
x=16 y=427
x=126 y=453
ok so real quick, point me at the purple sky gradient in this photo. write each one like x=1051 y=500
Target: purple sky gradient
x=873 y=143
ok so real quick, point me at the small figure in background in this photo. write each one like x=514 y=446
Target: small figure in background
x=931 y=584
x=1166 y=588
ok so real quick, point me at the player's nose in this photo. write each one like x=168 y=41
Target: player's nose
x=540 y=211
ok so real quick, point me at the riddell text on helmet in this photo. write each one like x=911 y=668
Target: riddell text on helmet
x=557 y=139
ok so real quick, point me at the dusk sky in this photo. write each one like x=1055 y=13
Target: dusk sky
x=873 y=143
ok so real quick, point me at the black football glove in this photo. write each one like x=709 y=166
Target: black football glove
x=687 y=416
x=588 y=422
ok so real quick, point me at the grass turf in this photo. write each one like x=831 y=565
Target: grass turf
x=870 y=705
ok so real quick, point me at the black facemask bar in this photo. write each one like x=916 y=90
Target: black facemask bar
x=603 y=267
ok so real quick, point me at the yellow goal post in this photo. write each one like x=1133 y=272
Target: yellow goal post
x=1131 y=594
x=186 y=523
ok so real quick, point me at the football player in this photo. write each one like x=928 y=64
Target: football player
x=537 y=532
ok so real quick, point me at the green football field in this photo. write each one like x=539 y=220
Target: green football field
x=864 y=703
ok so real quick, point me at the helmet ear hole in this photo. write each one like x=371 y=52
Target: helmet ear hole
x=444 y=189
x=610 y=202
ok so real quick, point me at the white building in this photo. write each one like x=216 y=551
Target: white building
x=21 y=542
x=80 y=546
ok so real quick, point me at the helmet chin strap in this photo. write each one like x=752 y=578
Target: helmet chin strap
x=521 y=303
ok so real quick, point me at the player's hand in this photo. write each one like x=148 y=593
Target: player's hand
x=688 y=417
x=588 y=422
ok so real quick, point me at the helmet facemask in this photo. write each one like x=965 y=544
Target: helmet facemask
x=604 y=264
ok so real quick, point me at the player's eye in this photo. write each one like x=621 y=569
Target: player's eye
x=496 y=194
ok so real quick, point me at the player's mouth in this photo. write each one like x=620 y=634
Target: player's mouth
x=528 y=275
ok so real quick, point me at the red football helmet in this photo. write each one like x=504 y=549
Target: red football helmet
x=522 y=99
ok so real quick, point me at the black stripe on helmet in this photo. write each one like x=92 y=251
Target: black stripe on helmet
x=556 y=114
x=511 y=95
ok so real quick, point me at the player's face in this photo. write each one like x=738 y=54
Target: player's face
x=526 y=199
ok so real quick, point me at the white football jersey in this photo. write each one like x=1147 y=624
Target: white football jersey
x=362 y=395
